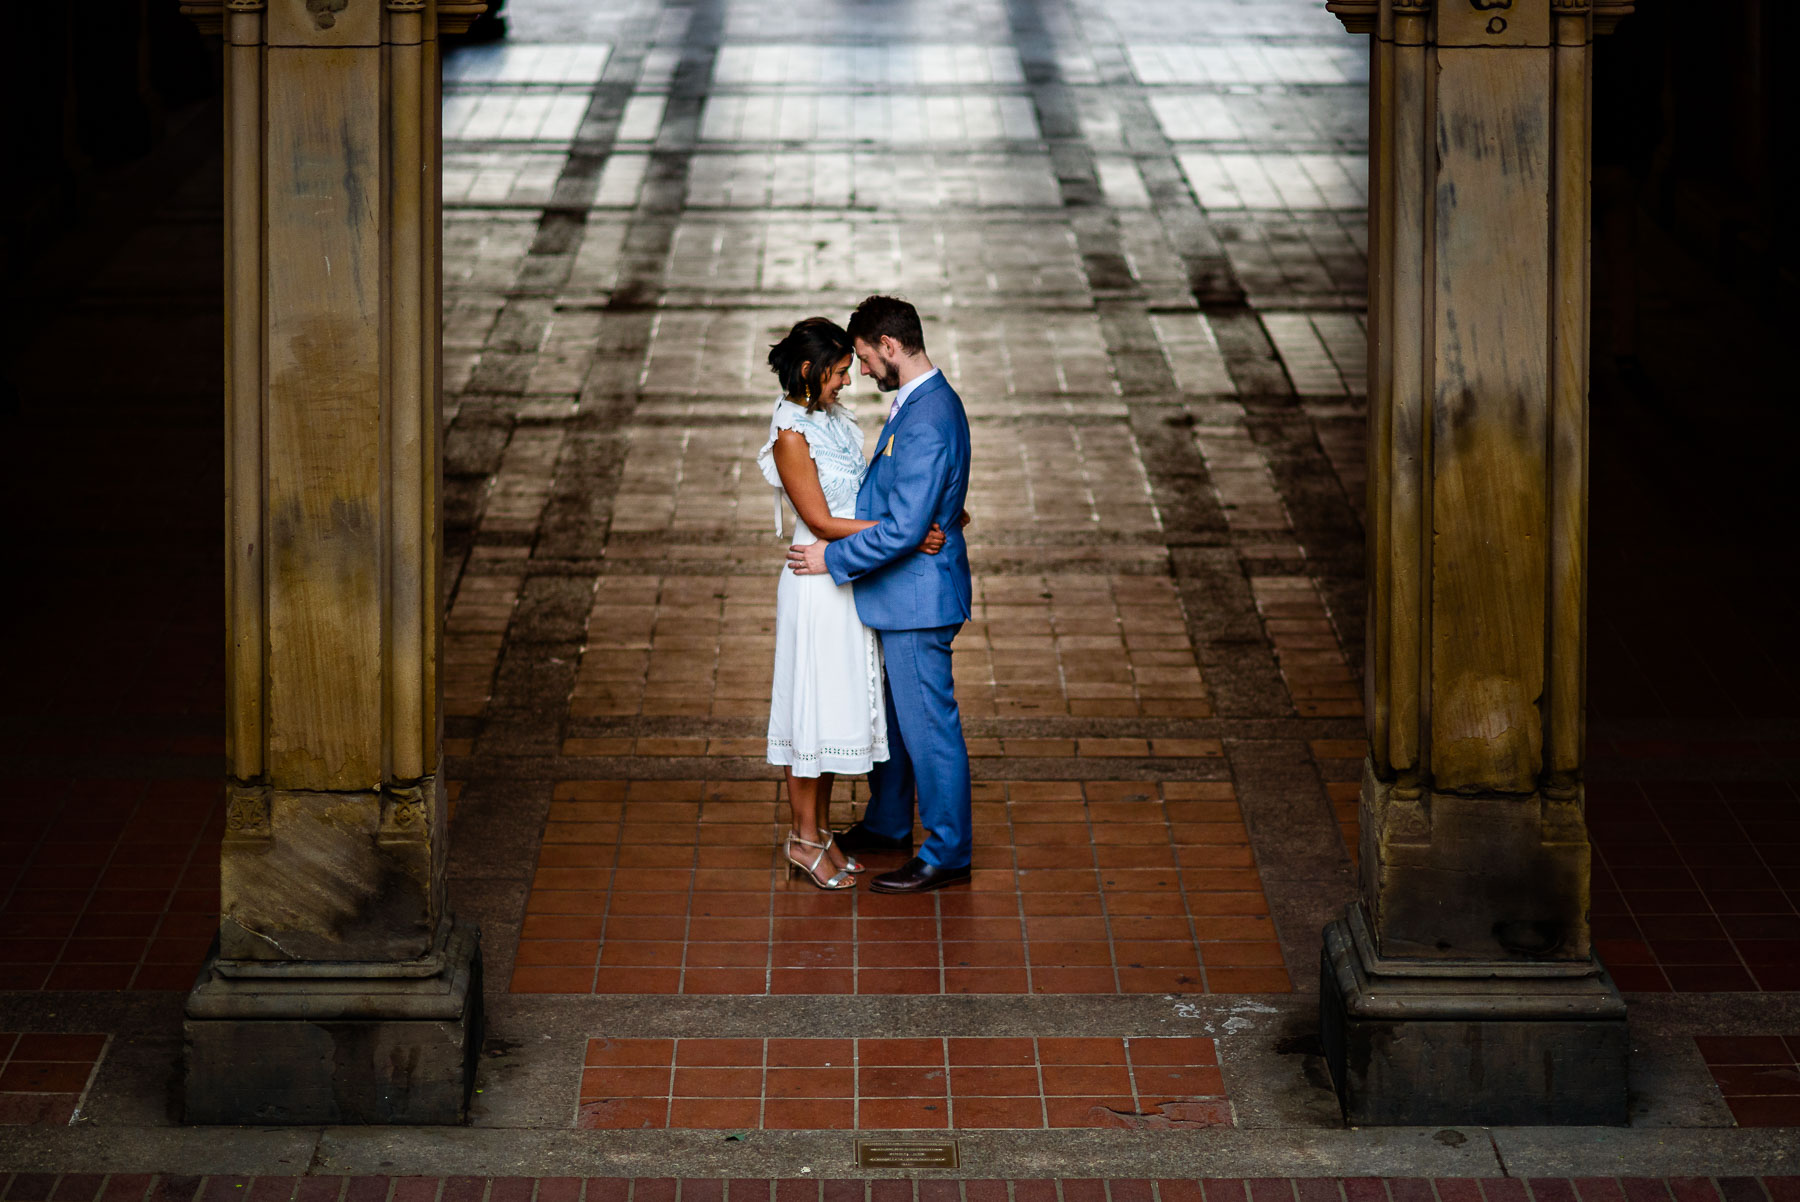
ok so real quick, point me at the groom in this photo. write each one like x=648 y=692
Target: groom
x=915 y=602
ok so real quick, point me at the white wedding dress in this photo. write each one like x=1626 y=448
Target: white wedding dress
x=825 y=709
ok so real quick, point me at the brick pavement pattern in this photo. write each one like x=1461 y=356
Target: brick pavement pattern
x=1043 y=186
x=903 y=1084
x=43 y=1076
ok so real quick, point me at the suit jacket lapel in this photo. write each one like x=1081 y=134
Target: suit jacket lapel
x=912 y=401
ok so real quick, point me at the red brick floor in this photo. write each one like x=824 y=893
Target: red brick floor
x=43 y=1076
x=1306 y=647
x=116 y=887
x=890 y=1084
x=1759 y=1076
x=1696 y=884
x=145 y=1187
x=1095 y=887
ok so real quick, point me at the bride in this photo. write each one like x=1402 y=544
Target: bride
x=826 y=713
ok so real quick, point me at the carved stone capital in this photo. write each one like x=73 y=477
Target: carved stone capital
x=403 y=814
x=453 y=16
x=1364 y=16
x=246 y=811
x=1358 y=16
x=1608 y=13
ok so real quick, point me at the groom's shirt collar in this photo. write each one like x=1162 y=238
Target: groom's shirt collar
x=907 y=389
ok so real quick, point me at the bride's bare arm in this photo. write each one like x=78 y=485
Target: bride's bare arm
x=801 y=480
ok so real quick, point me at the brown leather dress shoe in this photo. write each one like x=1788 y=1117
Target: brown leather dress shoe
x=916 y=876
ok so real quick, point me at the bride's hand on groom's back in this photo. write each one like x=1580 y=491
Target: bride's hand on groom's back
x=934 y=538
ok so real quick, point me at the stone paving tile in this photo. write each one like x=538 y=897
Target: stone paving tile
x=975 y=21
x=1287 y=182
x=997 y=355
x=842 y=253
x=1323 y=120
x=1044 y=478
x=948 y=118
x=1083 y=645
x=758 y=179
x=512 y=178
x=515 y=114
x=1313 y=666
x=43 y=1077
x=1247 y=62
x=120 y=892
x=1759 y=1076
x=1102 y=886
x=524 y=63
x=903 y=1083
x=1696 y=885
x=907 y=65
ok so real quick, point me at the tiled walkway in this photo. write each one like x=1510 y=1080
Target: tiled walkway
x=1114 y=886
x=902 y=1084
x=43 y=1076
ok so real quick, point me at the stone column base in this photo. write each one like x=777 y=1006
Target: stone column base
x=1448 y=1043
x=319 y=1049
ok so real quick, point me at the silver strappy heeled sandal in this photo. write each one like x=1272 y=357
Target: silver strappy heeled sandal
x=851 y=863
x=839 y=879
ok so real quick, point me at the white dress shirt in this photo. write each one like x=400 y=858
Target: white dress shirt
x=907 y=389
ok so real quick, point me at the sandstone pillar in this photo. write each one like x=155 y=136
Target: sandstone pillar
x=1462 y=987
x=341 y=988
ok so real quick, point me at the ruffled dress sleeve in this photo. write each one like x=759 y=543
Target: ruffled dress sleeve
x=787 y=416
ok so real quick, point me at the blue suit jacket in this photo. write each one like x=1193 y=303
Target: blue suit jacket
x=920 y=475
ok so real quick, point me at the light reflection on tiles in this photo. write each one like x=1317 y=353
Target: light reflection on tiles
x=1325 y=354
x=500 y=177
x=867 y=65
x=642 y=118
x=514 y=114
x=872 y=179
x=1215 y=20
x=1273 y=117
x=512 y=63
x=992 y=353
x=1121 y=183
x=848 y=117
x=779 y=21
x=1277 y=181
x=1247 y=63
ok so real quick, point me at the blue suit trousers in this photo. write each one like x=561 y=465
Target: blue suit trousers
x=926 y=752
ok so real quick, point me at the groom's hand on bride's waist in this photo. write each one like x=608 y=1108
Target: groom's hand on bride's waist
x=807 y=559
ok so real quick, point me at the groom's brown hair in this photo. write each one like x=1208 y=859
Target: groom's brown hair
x=890 y=317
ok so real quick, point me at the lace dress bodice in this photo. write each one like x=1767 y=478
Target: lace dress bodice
x=835 y=442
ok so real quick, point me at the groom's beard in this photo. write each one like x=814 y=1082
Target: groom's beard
x=889 y=379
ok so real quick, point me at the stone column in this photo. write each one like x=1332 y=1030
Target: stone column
x=1462 y=986
x=341 y=988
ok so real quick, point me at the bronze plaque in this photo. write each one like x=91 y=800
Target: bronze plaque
x=907 y=1156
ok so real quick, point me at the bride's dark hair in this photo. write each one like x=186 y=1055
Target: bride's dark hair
x=812 y=348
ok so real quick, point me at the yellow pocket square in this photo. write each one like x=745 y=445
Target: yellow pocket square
x=889 y=449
